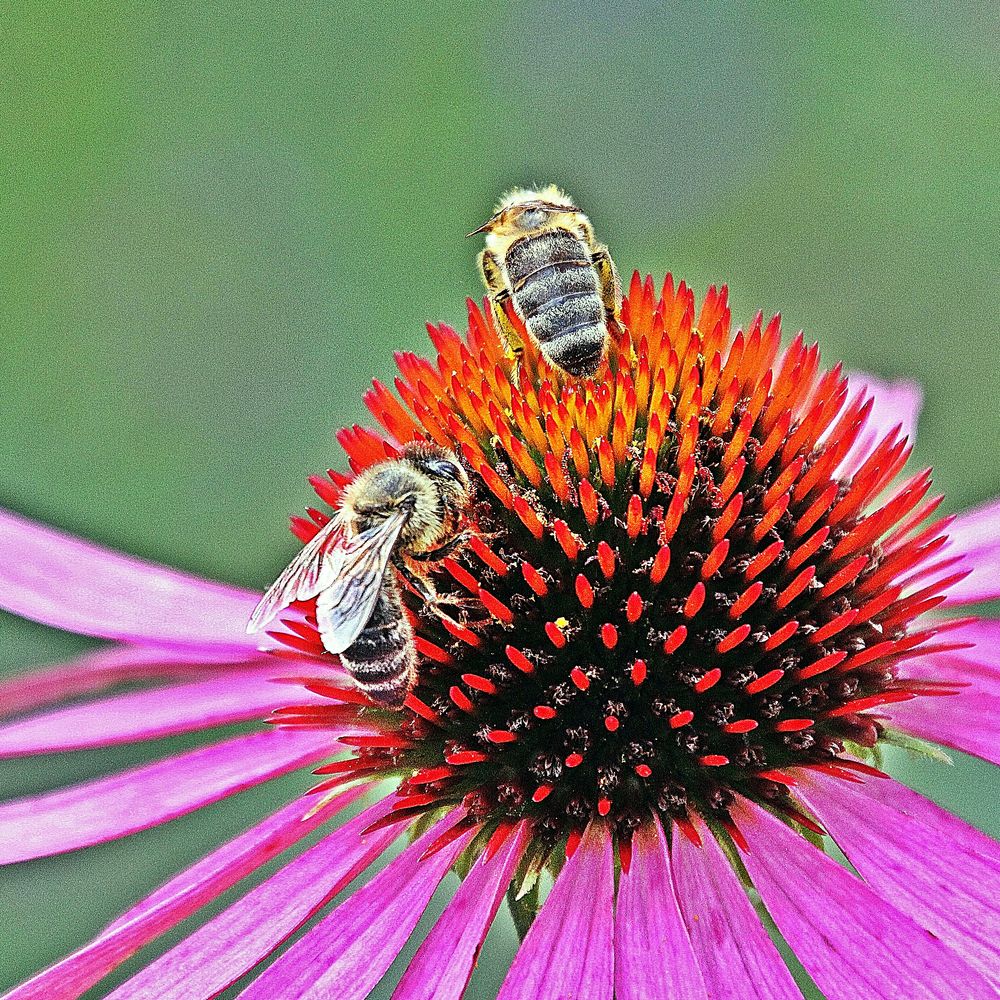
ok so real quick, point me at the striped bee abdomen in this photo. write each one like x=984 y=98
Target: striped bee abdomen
x=383 y=659
x=555 y=290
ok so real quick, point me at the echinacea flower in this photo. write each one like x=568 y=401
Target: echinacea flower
x=698 y=600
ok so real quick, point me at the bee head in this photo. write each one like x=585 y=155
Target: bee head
x=523 y=211
x=532 y=215
x=441 y=465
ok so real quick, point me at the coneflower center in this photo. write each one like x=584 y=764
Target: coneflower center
x=620 y=674
x=674 y=592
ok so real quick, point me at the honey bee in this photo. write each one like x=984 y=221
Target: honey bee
x=541 y=256
x=398 y=516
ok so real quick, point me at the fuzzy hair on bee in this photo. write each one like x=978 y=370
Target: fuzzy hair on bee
x=395 y=520
x=542 y=259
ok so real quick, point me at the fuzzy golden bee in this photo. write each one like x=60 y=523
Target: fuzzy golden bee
x=398 y=517
x=541 y=257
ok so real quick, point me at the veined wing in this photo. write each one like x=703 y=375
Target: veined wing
x=304 y=577
x=347 y=602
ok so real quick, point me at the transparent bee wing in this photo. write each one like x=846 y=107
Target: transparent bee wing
x=303 y=578
x=345 y=605
x=329 y=559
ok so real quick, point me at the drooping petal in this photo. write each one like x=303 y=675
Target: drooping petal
x=70 y=584
x=229 y=945
x=976 y=535
x=104 y=669
x=569 y=950
x=896 y=403
x=153 y=714
x=348 y=952
x=653 y=955
x=178 y=899
x=734 y=952
x=146 y=796
x=928 y=863
x=854 y=944
x=443 y=964
x=967 y=721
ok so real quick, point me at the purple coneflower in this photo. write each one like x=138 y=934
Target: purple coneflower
x=698 y=601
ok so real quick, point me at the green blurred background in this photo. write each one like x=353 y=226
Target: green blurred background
x=220 y=222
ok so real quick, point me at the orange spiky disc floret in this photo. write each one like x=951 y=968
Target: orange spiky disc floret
x=674 y=592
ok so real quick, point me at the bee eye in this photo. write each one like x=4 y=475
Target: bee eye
x=444 y=468
x=532 y=218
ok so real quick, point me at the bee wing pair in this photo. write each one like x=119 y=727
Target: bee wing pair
x=347 y=569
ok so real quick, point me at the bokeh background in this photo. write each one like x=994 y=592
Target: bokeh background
x=219 y=222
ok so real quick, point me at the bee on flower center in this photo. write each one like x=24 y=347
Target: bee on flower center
x=542 y=260
x=398 y=517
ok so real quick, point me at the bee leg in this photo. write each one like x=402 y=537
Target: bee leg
x=491 y=271
x=499 y=297
x=611 y=287
x=424 y=589
x=433 y=604
x=443 y=551
x=437 y=607
x=512 y=340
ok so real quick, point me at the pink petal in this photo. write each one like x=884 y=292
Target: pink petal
x=104 y=669
x=896 y=403
x=569 y=950
x=977 y=667
x=146 y=796
x=653 y=955
x=976 y=534
x=736 y=956
x=153 y=714
x=443 y=964
x=229 y=945
x=77 y=586
x=855 y=945
x=178 y=899
x=967 y=721
x=349 y=951
x=932 y=866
